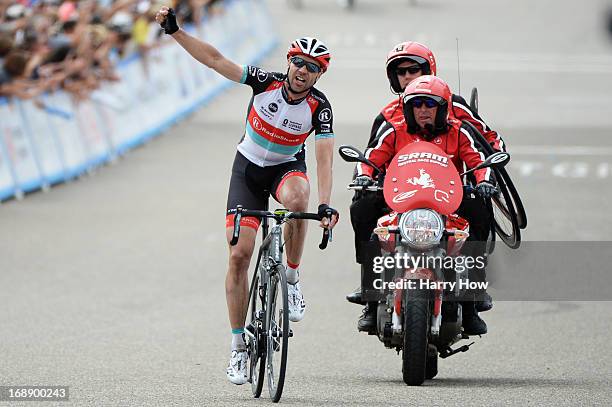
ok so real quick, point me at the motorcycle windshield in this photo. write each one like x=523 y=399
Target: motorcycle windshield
x=421 y=175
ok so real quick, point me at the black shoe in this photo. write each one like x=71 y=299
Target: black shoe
x=367 y=321
x=355 y=297
x=473 y=324
x=485 y=304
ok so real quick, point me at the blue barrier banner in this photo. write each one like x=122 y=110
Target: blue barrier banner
x=54 y=137
x=19 y=148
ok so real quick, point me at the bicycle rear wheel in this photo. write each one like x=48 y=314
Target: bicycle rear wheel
x=504 y=215
x=515 y=198
x=256 y=338
x=277 y=331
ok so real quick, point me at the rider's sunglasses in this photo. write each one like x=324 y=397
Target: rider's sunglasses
x=310 y=66
x=418 y=102
x=410 y=69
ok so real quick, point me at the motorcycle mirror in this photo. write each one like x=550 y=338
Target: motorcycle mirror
x=352 y=155
x=496 y=160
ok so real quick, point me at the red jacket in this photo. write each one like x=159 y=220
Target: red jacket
x=393 y=113
x=458 y=143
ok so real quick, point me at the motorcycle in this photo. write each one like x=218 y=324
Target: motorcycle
x=422 y=274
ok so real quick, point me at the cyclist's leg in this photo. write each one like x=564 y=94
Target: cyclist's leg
x=293 y=192
x=236 y=281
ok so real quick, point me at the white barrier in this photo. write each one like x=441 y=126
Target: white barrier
x=53 y=138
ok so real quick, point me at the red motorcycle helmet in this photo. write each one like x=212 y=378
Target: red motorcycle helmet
x=434 y=88
x=313 y=48
x=409 y=51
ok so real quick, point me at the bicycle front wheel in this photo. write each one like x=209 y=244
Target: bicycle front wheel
x=277 y=328
x=256 y=338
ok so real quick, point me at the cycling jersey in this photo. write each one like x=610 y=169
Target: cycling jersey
x=276 y=128
x=393 y=113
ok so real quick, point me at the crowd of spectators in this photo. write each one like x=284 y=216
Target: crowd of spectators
x=74 y=45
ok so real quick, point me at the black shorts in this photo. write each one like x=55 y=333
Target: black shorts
x=252 y=185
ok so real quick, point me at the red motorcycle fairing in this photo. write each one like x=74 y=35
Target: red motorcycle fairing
x=421 y=175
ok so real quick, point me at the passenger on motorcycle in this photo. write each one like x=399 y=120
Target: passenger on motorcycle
x=425 y=118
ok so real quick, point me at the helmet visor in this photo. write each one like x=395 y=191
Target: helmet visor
x=419 y=99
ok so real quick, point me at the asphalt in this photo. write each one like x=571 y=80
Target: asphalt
x=113 y=284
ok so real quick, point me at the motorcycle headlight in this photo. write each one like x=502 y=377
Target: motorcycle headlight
x=421 y=228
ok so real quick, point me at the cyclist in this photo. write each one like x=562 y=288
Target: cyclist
x=284 y=110
x=427 y=118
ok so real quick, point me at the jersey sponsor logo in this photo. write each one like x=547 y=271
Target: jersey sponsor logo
x=257 y=124
x=317 y=98
x=262 y=76
x=326 y=127
x=295 y=126
x=273 y=107
x=325 y=115
x=278 y=77
x=253 y=70
x=272 y=135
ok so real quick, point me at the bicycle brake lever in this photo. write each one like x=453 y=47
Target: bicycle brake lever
x=326 y=239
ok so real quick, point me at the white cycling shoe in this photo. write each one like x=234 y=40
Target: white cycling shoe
x=237 y=368
x=297 y=306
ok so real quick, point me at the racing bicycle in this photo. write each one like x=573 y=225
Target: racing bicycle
x=267 y=330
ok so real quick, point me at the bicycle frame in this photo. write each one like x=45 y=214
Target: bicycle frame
x=272 y=244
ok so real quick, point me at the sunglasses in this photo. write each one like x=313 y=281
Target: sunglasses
x=310 y=66
x=410 y=69
x=428 y=102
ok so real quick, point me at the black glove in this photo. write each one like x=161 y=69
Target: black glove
x=325 y=211
x=169 y=25
x=486 y=190
x=363 y=181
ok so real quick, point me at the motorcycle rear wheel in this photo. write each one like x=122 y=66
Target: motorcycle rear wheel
x=416 y=336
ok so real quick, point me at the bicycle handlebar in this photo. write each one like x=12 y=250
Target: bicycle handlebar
x=239 y=212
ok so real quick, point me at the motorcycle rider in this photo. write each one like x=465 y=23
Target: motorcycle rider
x=425 y=118
x=405 y=62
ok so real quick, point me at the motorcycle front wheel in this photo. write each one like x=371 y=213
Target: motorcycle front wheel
x=417 y=316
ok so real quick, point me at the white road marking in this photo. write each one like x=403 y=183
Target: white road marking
x=370 y=40
x=526 y=169
x=564 y=169
x=603 y=170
